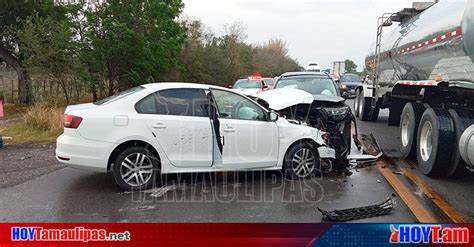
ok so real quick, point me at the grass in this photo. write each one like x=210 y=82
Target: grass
x=39 y=124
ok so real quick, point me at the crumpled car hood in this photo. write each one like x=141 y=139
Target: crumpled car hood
x=281 y=98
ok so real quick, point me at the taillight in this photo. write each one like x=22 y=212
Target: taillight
x=71 y=121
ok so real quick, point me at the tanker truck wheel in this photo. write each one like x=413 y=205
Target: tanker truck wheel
x=365 y=109
x=435 y=143
x=462 y=121
x=357 y=102
x=409 y=121
x=375 y=114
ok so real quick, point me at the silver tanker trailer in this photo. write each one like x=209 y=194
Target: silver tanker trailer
x=423 y=71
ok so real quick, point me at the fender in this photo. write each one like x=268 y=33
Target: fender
x=367 y=90
x=152 y=141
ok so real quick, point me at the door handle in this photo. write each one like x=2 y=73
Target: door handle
x=159 y=126
x=229 y=130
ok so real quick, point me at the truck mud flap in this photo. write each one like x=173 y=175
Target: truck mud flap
x=371 y=151
x=359 y=213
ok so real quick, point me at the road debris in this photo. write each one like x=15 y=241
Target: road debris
x=360 y=212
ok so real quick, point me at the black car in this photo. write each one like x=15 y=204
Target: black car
x=348 y=84
x=328 y=112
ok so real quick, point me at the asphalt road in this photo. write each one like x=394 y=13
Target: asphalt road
x=69 y=195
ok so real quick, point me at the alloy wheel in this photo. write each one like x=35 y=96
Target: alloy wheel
x=136 y=169
x=303 y=162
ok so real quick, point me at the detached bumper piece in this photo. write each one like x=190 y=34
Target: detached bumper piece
x=371 y=151
x=359 y=213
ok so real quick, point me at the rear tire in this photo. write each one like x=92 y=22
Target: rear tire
x=435 y=143
x=301 y=160
x=136 y=168
x=462 y=121
x=410 y=118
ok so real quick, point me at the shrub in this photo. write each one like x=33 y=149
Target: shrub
x=45 y=118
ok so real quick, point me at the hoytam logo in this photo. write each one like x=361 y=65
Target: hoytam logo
x=76 y=234
x=436 y=234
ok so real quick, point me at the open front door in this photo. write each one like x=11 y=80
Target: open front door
x=248 y=138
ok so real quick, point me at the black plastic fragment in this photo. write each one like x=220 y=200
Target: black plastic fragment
x=360 y=212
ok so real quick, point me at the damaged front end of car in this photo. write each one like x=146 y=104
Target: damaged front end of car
x=329 y=114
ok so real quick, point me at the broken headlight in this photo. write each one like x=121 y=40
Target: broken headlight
x=337 y=113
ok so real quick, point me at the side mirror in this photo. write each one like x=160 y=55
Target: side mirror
x=274 y=116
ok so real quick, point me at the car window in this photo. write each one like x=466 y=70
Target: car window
x=246 y=83
x=269 y=82
x=234 y=106
x=120 y=95
x=312 y=85
x=350 y=78
x=176 y=102
x=147 y=105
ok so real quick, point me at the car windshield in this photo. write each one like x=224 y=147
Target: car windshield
x=246 y=83
x=350 y=78
x=120 y=95
x=269 y=82
x=312 y=85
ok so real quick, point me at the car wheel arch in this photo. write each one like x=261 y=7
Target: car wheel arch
x=126 y=144
x=306 y=140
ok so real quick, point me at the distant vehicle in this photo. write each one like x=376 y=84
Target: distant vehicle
x=338 y=69
x=313 y=67
x=251 y=85
x=348 y=84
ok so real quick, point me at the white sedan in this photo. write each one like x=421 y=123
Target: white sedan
x=165 y=128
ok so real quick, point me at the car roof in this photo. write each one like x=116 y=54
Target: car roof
x=305 y=73
x=165 y=85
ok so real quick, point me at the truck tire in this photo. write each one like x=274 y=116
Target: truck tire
x=364 y=108
x=462 y=121
x=375 y=114
x=410 y=118
x=435 y=143
x=357 y=102
x=1 y=141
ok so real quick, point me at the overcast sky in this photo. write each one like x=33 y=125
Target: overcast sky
x=318 y=31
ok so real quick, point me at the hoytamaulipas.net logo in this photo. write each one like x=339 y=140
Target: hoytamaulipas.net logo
x=434 y=234
x=74 y=234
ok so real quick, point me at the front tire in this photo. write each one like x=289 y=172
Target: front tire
x=365 y=109
x=435 y=143
x=136 y=168
x=357 y=102
x=301 y=160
